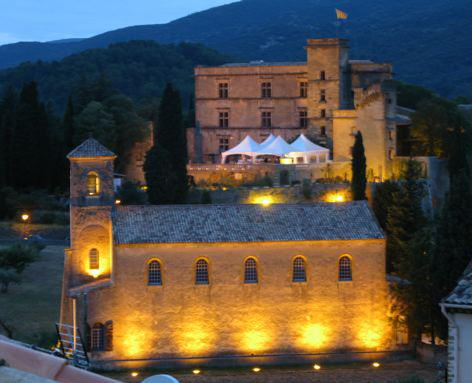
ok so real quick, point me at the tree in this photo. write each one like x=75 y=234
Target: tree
x=131 y=194
x=206 y=198
x=13 y=261
x=95 y=120
x=383 y=200
x=161 y=180
x=8 y=107
x=171 y=136
x=68 y=126
x=405 y=216
x=359 y=180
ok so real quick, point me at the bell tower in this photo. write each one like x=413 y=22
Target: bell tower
x=91 y=204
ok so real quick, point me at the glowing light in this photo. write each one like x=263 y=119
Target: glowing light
x=256 y=369
x=255 y=340
x=317 y=367
x=286 y=161
x=335 y=197
x=371 y=333
x=134 y=374
x=25 y=217
x=195 y=337
x=196 y=371
x=264 y=201
x=376 y=364
x=313 y=336
x=95 y=273
x=118 y=202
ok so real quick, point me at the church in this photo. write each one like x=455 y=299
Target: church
x=194 y=285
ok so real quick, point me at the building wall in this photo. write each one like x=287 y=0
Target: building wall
x=464 y=356
x=227 y=317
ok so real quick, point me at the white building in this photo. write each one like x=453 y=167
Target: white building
x=457 y=308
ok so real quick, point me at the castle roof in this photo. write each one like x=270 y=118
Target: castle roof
x=244 y=223
x=462 y=293
x=90 y=148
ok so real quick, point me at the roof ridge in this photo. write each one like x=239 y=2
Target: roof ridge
x=90 y=148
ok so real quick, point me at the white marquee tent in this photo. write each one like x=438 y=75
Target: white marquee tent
x=267 y=141
x=308 y=151
x=278 y=147
x=247 y=147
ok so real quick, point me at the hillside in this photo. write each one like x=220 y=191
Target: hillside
x=427 y=40
x=138 y=69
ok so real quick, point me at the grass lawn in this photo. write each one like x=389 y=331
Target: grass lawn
x=31 y=308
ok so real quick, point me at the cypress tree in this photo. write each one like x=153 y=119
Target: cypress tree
x=171 y=136
x=359 y=180
x=8 y=107
x=68 y=126
x=160 y=179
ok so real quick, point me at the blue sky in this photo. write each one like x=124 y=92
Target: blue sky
x=44 y=20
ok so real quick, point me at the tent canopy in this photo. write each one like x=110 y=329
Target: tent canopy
x=267 y=141
x=304 y=145
x=277 y=147
x=247 y=147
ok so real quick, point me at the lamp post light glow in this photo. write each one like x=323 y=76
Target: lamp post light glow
x=196 y=371
x=335 y=197
x=376 y=364
x=317 y=367
x=118 y=202
x=24 y=217
x=256 y=369
x=134 y=374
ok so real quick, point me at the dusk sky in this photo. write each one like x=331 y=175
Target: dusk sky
x=44 y=20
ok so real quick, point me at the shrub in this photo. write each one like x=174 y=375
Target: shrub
x=306 y=189
x=206 y=198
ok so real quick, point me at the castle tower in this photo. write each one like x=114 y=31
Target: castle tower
x=89 y=261
x=328 y=85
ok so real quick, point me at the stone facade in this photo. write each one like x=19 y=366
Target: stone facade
x=328 y=97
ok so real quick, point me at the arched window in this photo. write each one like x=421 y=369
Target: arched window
x=250 y=271
x=93 y=184
x=322 y=75
x=299 y=270
x=345 y=269
x=154 y=273
x=201 y=272
x=97 y=343
x=94 y=259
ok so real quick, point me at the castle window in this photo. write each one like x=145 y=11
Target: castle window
x=322 y=95
x=322 y=75
x=323 y=131
x=223 y=120
x=304 y=89
x=224 y=144
x=94 y=259
x=250 y=271
x=303 y=118
x=154 y=273
x=266 y=90
x=93 y=184
x=266 y=119
x=201 y=272
x=322 y=113
x=223 y=88
x=299 y=270
x=97 y=338
x=345 y=269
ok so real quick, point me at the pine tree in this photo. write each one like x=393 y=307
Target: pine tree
x=171 y=135
x=359 y=180
x=68 y=126
x=405 y=217
x=160 y=179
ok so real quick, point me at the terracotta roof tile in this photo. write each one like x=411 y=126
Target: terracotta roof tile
x=90 y=148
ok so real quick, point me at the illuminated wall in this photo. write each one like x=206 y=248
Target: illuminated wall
x=227 y=317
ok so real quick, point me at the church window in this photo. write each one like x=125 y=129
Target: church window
x=303 y=116
x=97 y=338
x=94 y=259
x=299 y=270
x=304 y=89
x=250 y=271
x=93 y=184
x=266 y=90
x=266 y=119
x=322 y=113
x=223 y=88
x=322 y=75
x=322 y=95
x=345 y=269
x=201 y=272
x=223 y=119
x=154 y=273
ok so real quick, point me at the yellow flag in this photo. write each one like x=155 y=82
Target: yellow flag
x=340 y=14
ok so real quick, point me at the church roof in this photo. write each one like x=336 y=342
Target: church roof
x=90 y=148
x=462 y=293
x=244 y=223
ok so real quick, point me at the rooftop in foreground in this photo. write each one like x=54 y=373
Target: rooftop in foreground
x=244 y=223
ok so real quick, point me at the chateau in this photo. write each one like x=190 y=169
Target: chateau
x=202 y=284
x=328 y=98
